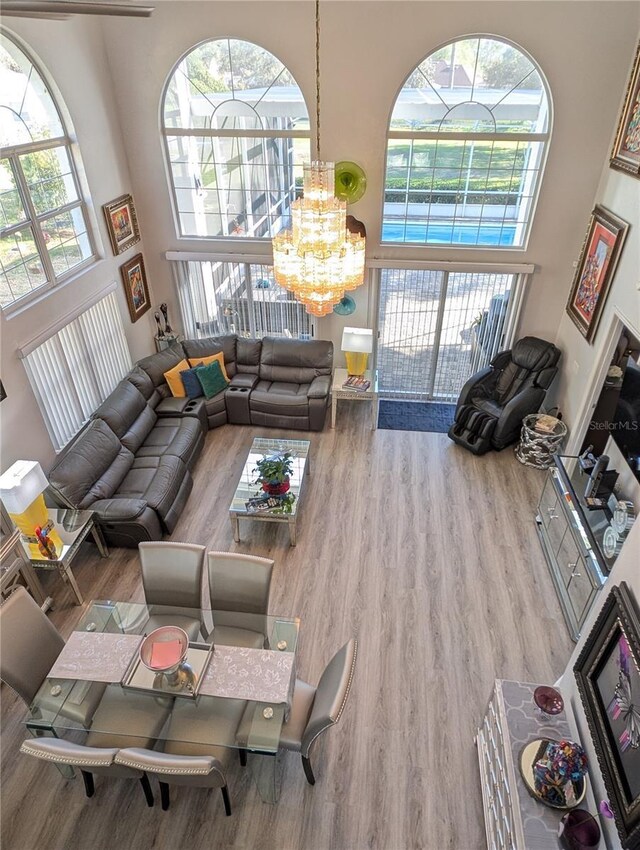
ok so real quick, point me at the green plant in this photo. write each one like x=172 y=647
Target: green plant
x=274 y=469
x=286 y=504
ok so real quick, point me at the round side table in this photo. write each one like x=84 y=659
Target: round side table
x=537 y=447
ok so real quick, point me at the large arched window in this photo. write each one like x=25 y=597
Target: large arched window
x=237 y=132
x=466 y=147
x=44 y=237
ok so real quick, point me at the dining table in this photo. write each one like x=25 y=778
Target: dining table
x=101 y=661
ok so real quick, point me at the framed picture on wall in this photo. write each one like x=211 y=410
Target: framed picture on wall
x=625 y=155
x=608 y=677
x=136 y=288
x=596 y=267
x=122 y=223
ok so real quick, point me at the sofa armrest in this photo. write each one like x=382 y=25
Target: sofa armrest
x=319 y=387
x=244 y=380
x=173 y=406
x=118 y=510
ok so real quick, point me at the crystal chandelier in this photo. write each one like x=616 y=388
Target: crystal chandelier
x=318 y=259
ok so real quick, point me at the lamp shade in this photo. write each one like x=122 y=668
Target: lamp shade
x=357 y=339
x=21 y=484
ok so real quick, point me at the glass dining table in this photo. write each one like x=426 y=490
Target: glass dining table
x=100 y=664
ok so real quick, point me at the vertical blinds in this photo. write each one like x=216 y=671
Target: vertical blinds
x=219 y=297
x=74 y=370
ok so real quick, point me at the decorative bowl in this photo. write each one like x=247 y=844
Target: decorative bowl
x=164 y=649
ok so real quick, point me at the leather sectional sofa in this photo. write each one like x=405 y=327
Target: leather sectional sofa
x=132 y=462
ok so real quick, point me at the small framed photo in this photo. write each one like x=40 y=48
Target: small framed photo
x=122 y=223
x=607 y=673
x=596 y=267
x=136 y=288
x=625 y=155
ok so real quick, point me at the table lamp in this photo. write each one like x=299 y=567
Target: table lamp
x=21 y=490
x=357 y=344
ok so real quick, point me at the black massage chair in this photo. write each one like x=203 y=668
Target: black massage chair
x=495 y=400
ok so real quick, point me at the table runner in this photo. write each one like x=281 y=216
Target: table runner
x=262 y=675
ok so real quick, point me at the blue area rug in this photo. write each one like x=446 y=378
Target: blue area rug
x=415 y=416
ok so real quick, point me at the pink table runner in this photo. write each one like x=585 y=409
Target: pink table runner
x=234 y=672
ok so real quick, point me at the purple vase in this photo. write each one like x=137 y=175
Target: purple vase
x=579 y=830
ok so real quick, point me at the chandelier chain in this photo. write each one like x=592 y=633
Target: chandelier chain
x=318 y=157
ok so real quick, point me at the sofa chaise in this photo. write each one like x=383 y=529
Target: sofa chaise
x=132 y=462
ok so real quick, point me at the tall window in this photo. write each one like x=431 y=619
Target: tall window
x=74 y=369
x=466 y=147
x=44 y=236
x=236 y=130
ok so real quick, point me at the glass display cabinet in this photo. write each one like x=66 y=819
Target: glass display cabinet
x=580 y=541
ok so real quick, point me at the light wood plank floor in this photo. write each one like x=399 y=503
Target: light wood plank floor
x=430 y=555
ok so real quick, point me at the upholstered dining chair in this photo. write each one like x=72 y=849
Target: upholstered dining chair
x=200 y=771
x=88 y=760
x=314 y=710
x=172 y=576
x=239 y=587
x=30 y=644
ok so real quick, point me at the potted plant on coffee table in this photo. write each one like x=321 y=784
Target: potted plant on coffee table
x=274 y=473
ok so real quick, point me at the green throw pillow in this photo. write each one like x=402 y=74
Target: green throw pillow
x=211 y=378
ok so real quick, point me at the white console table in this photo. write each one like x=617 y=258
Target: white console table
x=514 y=820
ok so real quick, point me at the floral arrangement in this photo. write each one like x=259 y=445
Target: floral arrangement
x=563 y=763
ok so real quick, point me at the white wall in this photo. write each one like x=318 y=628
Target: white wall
x=73 y=53
x=625 y=569
x=619 y=193
x=368 y=48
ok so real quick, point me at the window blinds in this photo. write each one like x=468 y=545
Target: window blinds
x=74 y=370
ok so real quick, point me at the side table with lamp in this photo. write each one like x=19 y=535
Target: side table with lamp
x=357 y=344
x=50 y=537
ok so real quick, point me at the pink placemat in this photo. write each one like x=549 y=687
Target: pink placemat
x=263 y=675
x=95 y=656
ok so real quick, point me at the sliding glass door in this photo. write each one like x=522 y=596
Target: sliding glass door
x=437 y=327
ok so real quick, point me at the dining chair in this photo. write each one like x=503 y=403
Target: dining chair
x=239 y=587
x=314 y=710
x=195 y=771
x=88 y=760
x=172 y=576
x=30 y=644
x=202 y=730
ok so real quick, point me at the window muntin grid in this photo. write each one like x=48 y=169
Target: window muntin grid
x=44 y=235
x=466 y=148
x=237 y=134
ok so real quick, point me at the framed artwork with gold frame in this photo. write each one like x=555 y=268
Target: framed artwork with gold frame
x=122 y=223
x=625 y=155
x=596 y=267
x=136 y=287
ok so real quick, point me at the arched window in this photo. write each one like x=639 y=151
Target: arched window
x=466 y=147
x=44 y=236
x=237 y=132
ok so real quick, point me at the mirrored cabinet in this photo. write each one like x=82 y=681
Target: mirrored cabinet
x=580 y=542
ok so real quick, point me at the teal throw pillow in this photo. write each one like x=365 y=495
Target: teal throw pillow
x=192 y=385
x=211 y=378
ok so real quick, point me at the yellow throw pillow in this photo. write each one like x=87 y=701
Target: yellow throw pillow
x=204 y=361
x=172 y=377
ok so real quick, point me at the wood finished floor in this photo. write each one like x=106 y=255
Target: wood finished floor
x=430 y=556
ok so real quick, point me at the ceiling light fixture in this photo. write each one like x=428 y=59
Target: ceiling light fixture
x=317 y=260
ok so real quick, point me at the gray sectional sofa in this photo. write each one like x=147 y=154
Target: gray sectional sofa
x=132 y=462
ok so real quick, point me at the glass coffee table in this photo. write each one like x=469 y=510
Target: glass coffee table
x=246 y=488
